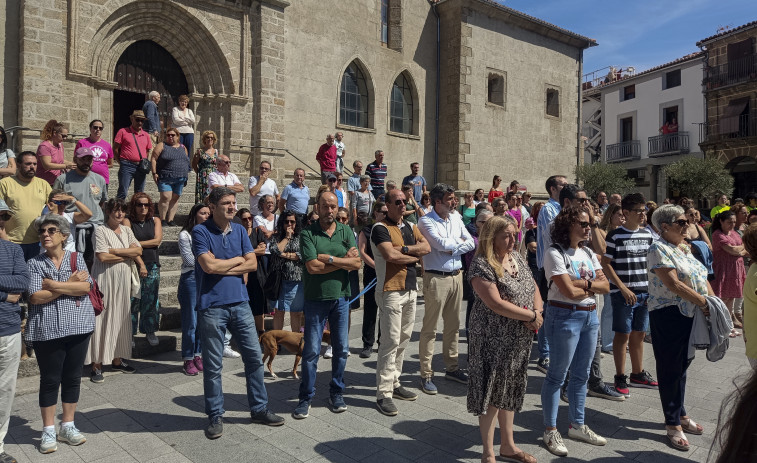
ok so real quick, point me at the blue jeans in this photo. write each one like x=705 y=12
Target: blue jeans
x=187 y=139
x=573 y=335
x=127 y=171
x=541 y=336
x=316 y=314
x=605 y=321
x=627 y=318
x=190 y=339
x=213 y=323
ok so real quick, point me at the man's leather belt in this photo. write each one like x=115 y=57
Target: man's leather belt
x=565 y=305
x=444 y=274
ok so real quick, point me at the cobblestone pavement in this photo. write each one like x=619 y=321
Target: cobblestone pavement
x=156 y=415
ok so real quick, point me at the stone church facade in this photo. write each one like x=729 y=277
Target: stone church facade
x=273 y=77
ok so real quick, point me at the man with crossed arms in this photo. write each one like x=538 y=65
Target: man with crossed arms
x=397 y=247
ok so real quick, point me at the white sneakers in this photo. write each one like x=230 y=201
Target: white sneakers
x=230 y=353
x=329 y=352
x=554 y=443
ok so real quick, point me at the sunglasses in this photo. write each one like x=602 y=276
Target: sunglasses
x=143 y=204
x=584 y=224
x=400 y=202
x=170 y=135
x=332 y=180
x=5 y=216
x=681 y=223
x=50 y=231
x=98 y=128
x=62 y=203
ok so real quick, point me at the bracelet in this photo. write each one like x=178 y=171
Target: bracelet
x=588 y=285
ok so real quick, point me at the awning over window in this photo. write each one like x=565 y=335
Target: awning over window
x=729 y=122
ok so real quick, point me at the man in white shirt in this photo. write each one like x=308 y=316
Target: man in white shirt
x=261 y=185
x=222 y=177
x=339 y=151
x=442 y=284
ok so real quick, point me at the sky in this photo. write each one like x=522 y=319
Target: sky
x=640 y=33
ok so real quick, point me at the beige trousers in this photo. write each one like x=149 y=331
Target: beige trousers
x=442 y=295
x=396 y=321
x=10 y=356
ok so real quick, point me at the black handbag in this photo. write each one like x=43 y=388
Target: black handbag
x=144 y=166
x=272 y=285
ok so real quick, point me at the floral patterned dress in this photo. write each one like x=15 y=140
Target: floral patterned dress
x=205 y=166
x=499 y=347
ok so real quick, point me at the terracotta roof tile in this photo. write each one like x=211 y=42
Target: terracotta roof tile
x=727 y=32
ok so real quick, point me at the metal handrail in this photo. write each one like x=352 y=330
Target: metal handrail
x=677 y=142
x=623 y=151
x=288 y=152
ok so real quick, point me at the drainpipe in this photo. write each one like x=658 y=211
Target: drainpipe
x=438 y=80
x=579 y=153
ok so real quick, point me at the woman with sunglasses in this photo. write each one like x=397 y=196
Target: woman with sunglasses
x=61 y=321
x=727 y=263
x=51 y=161
x=191 y=349
x=7 y=156
x=57 y=202
x=204 y=163
x=115 y=250
x=170 y=167
x=285 y=245
x=148 y=230
x=571 y=324
x=695 y=231
x=495 y=191
x=678 y=287
x=255 y=280
x=101 y=149
x=370 y=310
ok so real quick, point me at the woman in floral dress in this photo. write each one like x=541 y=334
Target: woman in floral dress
x=203 y=163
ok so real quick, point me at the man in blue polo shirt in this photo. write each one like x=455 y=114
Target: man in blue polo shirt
x=296 y=195
x=329 y=252
x=223 y=256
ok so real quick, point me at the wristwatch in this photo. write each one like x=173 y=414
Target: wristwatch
x=405 y=249
x=331 y=259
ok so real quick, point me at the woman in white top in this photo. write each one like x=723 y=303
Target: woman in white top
x=571 y=324
x=191 y=350
x=266 y=223
x=57 y=202
x=183 y=119
x=7 y=157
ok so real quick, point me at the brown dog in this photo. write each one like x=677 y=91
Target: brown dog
x=293 y=342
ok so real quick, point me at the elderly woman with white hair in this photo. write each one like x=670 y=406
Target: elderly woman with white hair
x=678 y=287
x=61 y=321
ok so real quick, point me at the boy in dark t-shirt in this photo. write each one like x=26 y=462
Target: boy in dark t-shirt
x=625 y=264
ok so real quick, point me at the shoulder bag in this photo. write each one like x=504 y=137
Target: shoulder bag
x=95 y=296
x=144 y=166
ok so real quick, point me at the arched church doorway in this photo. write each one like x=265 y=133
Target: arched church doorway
x=143 y=67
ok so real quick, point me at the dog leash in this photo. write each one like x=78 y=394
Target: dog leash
x=365 y=290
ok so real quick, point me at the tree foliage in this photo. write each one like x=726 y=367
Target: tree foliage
x=609 y=178
x=699 y=178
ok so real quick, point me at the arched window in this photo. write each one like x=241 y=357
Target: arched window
x=402 y=106
x=354 y=99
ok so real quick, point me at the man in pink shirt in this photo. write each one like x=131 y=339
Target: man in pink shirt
x=130 y=145
x=326 y=157
x=101 y=150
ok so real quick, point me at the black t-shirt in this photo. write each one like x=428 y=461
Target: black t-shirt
x=531 y=238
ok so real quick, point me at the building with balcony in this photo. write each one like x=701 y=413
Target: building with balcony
x=645 y=121
x=730 y=90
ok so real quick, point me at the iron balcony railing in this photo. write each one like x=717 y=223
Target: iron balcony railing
x=732 y=72
x=669 y=143
x=729 y=128
x=624 y=151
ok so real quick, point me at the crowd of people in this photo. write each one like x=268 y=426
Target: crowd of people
x=579 y=276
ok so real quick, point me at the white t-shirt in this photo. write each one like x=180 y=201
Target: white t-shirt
x=268 y=188
x=217 y=178
x=70 y=244
x=581 y=267
x=269 y=225
x=4 y=156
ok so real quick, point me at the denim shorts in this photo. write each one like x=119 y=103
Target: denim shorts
x=292 y=296
x=176 y=185
x=627 y=318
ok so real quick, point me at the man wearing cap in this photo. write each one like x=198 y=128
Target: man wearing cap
x=130 y=145
x=26 y=196
x=89 y=188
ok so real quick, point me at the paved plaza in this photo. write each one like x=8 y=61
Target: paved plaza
x=156 y=415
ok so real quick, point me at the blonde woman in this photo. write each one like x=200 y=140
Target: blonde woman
x=51 y=162
x=183 y=119
x=203 y=163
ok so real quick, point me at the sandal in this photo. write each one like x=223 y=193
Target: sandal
x=689 y=426
x=734 y=333
x=678 y=439
x=521 y=457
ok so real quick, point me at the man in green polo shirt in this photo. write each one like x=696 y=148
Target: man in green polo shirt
x=329 y=252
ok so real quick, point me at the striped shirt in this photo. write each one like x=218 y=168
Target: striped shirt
x=378 y=175
x=627 y=251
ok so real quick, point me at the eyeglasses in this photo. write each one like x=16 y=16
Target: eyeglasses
x=143 y=204
x=681 y=223
x=50 y=231
x=584 y=224
x=5 y=216
x=97 y=128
